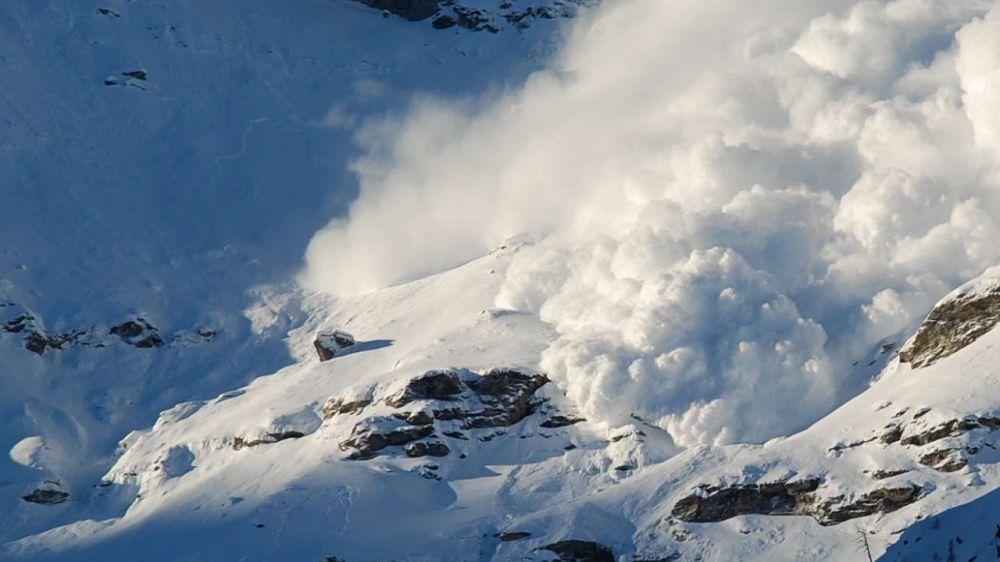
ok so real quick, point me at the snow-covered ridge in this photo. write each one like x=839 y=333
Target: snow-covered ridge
x=476 y=460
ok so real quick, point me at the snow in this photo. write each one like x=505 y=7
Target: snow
x=699 y=355
x=184 y=473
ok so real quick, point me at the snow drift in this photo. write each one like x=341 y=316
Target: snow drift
x=732 y=202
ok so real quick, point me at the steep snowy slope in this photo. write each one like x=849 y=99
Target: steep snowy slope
x=162 y=163
x=435 y=438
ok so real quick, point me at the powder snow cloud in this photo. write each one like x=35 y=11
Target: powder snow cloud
x=733 y=200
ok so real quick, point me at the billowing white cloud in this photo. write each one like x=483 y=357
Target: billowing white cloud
x=733 y=200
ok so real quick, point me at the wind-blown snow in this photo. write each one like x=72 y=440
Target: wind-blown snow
x=733 y=200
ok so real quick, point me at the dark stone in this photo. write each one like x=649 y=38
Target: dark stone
x=426 y=449
x=714 y=504
x=580 y=551
x=342 y=406
x=410 y=10
x=456 y=435
x=137 y=74
x=944 y=460
x=330 y=344
x=432 y=385
x=36 y=343
x=239 y=442
x=893 y=435
x=882 y=474
x=951 y=326
x=17 y=324
x=366 y=443
x=443 y=21
x=46 y=497
x=138 y=333
x=508 y=536
x=951 y=428
x=561 y=421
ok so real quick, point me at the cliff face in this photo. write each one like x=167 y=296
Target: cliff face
x=958 y=320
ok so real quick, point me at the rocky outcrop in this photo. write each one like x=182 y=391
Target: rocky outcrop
x=409 y=10
x=451 y=13
x=138 y=333
x=426 y=449
x=955 y=322
x=951 y=428
x=945 y=460
x=439 y=399
x=341 y=405
x=330 y=344
x=368 y=438
x=712 y=504
x=561 y=421
x=580 y=551
x=432 y=385
x=242 y=442
x=46 y=496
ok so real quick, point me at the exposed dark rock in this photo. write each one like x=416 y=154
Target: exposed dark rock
x=108 y=12
x=443 y=21
x=410 y=10
x=893 y=434
x=580 y=551
x=138 y=333
x=951 y=326
x=432 y=385
x=46 y=496
x=240 y=442
x=475 y=19
x=18 y=324
x=137 y=74
x=951 y=428
x=882 y=474
x=330 y=344
x=509 y=536
x=713 y=504
x=344 y=406
x=426 y=449
x=882 y=500
x=456 y=435
x=561 y=421
x=36 y=343
x=944 y=460
x=415 y=418
x=367 y=441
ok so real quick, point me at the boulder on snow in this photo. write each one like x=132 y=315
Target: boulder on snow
x=580 y=551
x=46 y=496
x=410 y=10
x=329 y=344
x=138 y=333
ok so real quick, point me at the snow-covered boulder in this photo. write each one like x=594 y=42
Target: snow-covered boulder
x=329 y=344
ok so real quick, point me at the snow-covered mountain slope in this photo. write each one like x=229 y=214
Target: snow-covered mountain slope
x=435 y=438
x=163 y=165
x=169 y=392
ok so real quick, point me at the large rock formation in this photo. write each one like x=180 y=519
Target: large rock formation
x=711 y=504
x=955 y=322
x=500 y=397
